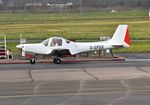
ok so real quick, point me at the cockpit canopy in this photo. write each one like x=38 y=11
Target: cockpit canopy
x=54 y=41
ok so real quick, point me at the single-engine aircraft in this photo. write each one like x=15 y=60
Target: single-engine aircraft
x=58 y=46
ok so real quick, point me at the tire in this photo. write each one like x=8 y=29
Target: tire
x=32 y=61
x=58 y=61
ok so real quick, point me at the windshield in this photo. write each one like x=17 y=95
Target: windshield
x=45 y=42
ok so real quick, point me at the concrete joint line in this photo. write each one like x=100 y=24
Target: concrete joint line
x=128 y=90
x=84 y=69
x=30 y=74
x=140 y=69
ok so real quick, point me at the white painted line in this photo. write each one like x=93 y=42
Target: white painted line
x=137 y=60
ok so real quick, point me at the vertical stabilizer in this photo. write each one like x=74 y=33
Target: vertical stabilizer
x=121 y=37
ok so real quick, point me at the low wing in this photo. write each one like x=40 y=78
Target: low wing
x=60 y=53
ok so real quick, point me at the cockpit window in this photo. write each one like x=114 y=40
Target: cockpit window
x=56 y=42
x=46 y=42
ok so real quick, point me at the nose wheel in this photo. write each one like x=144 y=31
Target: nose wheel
x=32 y=61
x=57 y=60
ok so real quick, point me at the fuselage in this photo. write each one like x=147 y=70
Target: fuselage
x=73 y=47
x=120 y=39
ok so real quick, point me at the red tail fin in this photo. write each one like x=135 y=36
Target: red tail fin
x=127 y=38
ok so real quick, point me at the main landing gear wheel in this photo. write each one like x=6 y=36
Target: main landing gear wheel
x=32 y=61
x=57 y=60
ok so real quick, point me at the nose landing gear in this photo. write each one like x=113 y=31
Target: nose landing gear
x=32 y=61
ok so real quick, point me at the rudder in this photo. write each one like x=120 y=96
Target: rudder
x=121 y=36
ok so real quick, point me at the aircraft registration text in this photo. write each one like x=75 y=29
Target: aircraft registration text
x=96 y=47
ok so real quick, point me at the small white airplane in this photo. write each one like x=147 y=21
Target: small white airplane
x=58 y=46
